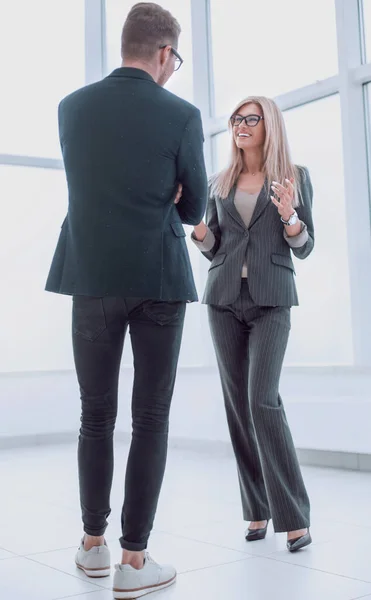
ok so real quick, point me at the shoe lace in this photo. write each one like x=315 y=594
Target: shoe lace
x=149 y=558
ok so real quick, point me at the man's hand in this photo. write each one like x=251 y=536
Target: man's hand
x=178 y=194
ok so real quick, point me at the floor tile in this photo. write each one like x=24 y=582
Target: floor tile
x=198 y=527
x=230 y=534
x=5 y=554
x=187 y=555
x=262 y=579
x=44 y=528
x=64 y=561
x=102 y=595
x=348 y=558
x=23 y=579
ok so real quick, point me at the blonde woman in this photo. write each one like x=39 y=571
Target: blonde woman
x=259 y=211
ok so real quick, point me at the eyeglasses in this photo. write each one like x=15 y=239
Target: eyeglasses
x=178 y=59
x=250 y=120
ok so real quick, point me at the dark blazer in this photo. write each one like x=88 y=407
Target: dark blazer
x=126 y=143
x=262 y=245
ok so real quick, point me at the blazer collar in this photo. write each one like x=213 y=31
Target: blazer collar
x=132 y=73
x=261 y=203
x=231 y=207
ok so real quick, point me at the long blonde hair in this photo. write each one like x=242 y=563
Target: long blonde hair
x=277 y=160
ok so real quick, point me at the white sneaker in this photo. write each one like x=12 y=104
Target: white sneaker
x=130 y=583
x=95 y=562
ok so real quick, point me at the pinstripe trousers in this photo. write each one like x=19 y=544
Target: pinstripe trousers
x=250 y=344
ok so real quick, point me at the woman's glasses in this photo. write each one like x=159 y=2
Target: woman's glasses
x=250 y=120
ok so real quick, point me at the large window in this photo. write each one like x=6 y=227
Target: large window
x=314 y=132
x=35 y=328
x=367 y=90
x=367 y=29
x=42 y=60
x=181 y=83
x=51 y=47
x=268 y=48
x=42 y=45
x=222 y=150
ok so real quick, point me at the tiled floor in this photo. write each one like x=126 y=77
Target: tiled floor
x=198 y=527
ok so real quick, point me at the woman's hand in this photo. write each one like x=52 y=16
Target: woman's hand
x=200 y=231
x=286 y=198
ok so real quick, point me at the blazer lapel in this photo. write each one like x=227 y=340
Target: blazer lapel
x=231 y=208
x=261 y=203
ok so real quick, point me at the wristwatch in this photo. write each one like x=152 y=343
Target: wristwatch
x=292 y=220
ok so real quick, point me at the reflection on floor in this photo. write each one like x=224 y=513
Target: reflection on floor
x=198 y=527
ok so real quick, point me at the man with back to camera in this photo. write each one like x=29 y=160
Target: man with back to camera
x=129 y=148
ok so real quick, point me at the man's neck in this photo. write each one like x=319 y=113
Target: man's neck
x=143 y=66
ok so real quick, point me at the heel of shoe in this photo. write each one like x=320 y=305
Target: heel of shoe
x=299 y=543
x=95 y=573
x=131 y=595
x=253 y=535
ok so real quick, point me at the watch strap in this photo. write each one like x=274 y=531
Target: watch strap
x=294 y=214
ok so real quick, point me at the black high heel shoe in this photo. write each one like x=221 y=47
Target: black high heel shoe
x=253 y=535
x=299 y=543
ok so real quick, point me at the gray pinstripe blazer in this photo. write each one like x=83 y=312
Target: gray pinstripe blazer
x=263 y=246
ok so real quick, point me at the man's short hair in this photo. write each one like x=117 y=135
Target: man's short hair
x=147 y=27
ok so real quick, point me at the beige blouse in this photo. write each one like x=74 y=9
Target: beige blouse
x=245 y=204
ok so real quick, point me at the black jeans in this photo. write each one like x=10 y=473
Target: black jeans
x=99 y=328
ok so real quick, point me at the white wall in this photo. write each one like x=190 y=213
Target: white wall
x=328 y=409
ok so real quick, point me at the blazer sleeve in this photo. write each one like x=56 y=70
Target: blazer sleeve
x=61 y=123
x=213 y=235
x=191 y=172
x=304 y=211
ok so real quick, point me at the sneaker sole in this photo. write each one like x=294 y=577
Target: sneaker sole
x=138 y=593
x=97 y=573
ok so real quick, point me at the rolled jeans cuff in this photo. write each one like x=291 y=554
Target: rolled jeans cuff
x=132 y=546
x=95 y=532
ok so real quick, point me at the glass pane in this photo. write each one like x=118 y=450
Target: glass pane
x=264 y=49
x=35 y=208
x=367 y=28
x=368 y=128
x=314 y=132
x=43 y=59
x=181 y=83
x=221 y=150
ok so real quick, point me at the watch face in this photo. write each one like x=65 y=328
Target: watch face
x=293 y=219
